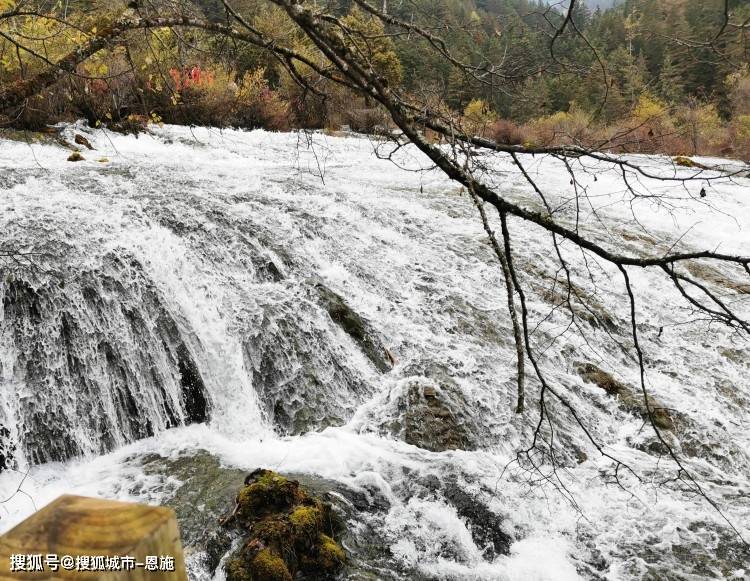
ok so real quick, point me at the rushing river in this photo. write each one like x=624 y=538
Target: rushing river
x=200 y=303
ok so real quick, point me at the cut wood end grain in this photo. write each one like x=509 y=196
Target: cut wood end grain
x=78 y=526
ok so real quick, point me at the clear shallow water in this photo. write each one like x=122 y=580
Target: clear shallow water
x=198 y=251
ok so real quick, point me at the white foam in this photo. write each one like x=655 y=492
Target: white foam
x=417 y=266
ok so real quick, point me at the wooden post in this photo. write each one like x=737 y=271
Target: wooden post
x=91 y=538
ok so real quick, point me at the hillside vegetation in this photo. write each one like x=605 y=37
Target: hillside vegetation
x=644 y=75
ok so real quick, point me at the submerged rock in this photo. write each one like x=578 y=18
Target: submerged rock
x=484 y=525
x=700 y=551
x=304 y=380
x=200 y=489
x=308 y=374
x=430 y=414
x=201 y=497
x=286 y=531
x=627 y=397
x=431 y=418
x=354 y=325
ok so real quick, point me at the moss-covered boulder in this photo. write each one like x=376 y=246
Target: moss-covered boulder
x=286 y=531
x=683 y=161
x=266 y=492
x=328 y=557
x=306 y=520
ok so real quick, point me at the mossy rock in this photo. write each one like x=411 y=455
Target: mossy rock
x=267 y=492
x=76 y=156
x=287 y=531
x=237 y=570
x=266 y=566
x=328 y=558
x=275 y=533
x=683 y=161
x=331 y=556
x=307 y=520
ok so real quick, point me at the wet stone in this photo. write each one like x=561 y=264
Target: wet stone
x=431 y=417
x=354 y=325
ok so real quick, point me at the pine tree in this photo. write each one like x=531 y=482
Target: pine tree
x=671 y=85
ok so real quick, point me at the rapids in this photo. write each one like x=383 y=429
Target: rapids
x=249 y=299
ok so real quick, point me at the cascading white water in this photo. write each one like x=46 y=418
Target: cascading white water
x=210 y=278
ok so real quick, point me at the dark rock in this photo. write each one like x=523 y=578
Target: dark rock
x=627 y=397
x=484 y=525
x=7 y=450
x=432 y=417
x=76 y=156
x=81 y=140
x=216 y=546
x=270 y=271
x=195 y=398
x=304 y=380
x=193 y=388
x=355 y=326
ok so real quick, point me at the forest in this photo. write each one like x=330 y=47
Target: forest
x=668 y=76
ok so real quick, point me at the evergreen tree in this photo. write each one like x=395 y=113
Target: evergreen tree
x=671 y=87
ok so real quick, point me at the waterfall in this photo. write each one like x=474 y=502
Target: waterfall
x=97 y=362
x=325 y=312
x=146 y=304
